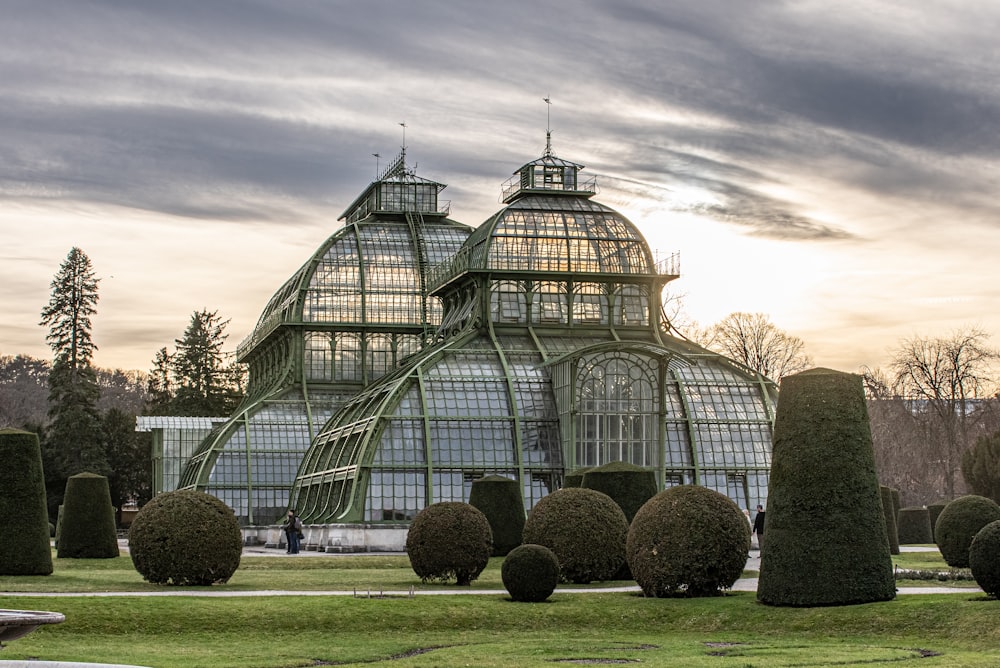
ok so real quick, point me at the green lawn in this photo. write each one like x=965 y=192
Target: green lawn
x=731 y=631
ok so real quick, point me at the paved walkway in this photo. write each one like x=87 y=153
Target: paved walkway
x=743 y=584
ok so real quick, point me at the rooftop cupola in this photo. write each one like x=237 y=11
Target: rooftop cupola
x=549 y=175
x=398 y=190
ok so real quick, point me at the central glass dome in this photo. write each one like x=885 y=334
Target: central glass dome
x=552 y=355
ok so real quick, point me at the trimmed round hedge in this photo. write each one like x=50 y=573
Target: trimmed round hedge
x=88 y=519
x=185 y=538
x=984 y=558
x=499 y=499
x=449 y=539
x=959 y=523
x=584 y=528
x=530 y=573
x=24 y=516
x=628 y=485
x=687 y=541
x=914 y=526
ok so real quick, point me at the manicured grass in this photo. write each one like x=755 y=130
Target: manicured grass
x=733 y=631
x=489 y=630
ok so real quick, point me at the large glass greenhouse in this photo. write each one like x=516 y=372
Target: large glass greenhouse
x=412 y=355
x=552 y=355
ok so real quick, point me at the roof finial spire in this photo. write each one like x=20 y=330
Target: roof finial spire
x=402 y=153
x=548 y=126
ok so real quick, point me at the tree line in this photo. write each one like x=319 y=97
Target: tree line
x=934 y=410
x=85 y=416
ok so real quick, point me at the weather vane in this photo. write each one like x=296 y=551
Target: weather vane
x=376 y=156
x=548 y=125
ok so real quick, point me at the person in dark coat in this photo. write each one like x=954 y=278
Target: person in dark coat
x=758 y=527
x=293 y=532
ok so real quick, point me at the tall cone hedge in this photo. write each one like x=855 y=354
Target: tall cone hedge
x=499 y=499
x=826 y=540
x=630 y=486
x=24 y=517
x=88 y=519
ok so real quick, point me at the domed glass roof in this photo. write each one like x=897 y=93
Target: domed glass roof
x=353 y=311
x=552 y=355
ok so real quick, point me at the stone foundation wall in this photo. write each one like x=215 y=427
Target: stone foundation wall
x=335 y=537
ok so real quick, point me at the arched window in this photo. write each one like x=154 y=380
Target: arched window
x=631 y=306
x=590 y=304
x=347 y=357
x=319 y=357
x=379 y=355
x=508 y=302
x=616 y=410
x=550 y=303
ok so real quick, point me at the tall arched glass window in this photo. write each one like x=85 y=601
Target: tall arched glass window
x=319 y=357
x=347 y=357
x=616 y=410
x=631 y=306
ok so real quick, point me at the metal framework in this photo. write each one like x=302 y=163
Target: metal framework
x=347 y=317
x=552 y=354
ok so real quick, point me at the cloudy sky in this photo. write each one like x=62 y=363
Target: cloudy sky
x=833 y=165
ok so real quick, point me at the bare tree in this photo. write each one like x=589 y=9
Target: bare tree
x=753 y=340
x=945 y=380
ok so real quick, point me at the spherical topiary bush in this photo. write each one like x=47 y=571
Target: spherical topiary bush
x=958 y=524
x=88 y=519
x=628 y=485
x=24 y=517
x=687 y=541
x=984 y=558
x=185 y=538
x=584 y=528
x=530 y=573
x=499 y=499
x=449 y=539
x=914 y=526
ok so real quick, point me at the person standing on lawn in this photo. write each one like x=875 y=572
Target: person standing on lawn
x=293 y=532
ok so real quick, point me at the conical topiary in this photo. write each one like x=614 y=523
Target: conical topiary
x=889 y=514
x=574 y=478
x=88 y=519
x=499 y=499
x=826 y=542
x=24 y=517
x=914 y=526
x=628 y=485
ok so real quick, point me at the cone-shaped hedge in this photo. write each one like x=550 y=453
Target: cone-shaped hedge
x=628 y=485
x=934 y=510
x=574 y=478
x=88 y=519
x=449 y=539
x=24 y=517
x=826 y=542
x=889 y=516
x=584 y=528
x=959 y=523
x=914 y=525
x=185 y=538
x=499 y=499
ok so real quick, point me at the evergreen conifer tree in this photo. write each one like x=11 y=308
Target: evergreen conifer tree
x=74 y=442
x=198 y=369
